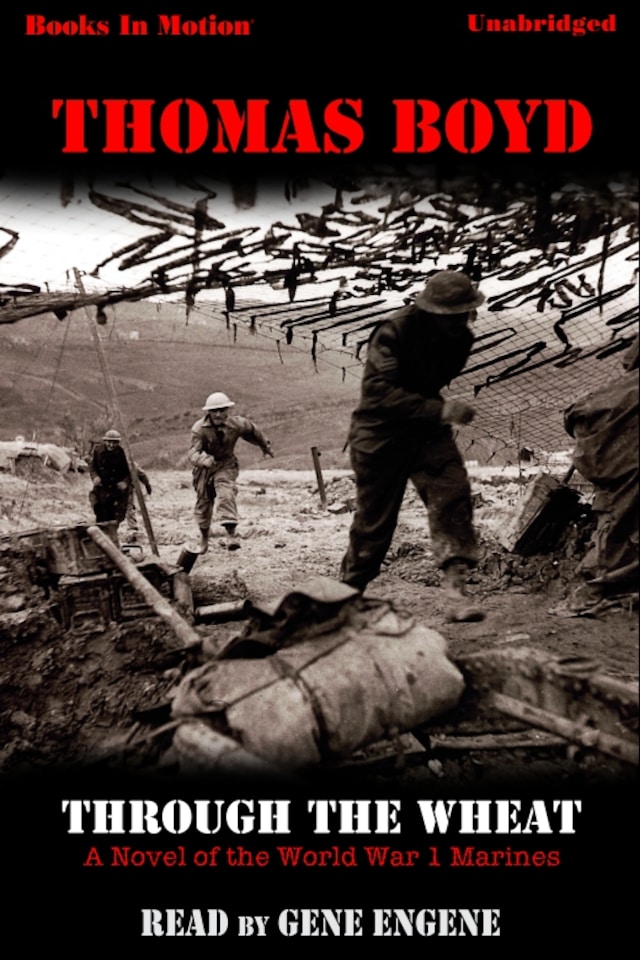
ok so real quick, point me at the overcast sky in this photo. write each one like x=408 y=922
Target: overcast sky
x=53 y=239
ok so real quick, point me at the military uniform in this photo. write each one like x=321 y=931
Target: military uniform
x=217 y=482
x=109 y=498
x=397 y=434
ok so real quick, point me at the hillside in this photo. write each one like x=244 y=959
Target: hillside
x=163 y=365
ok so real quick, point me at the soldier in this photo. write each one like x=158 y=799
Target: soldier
x=111 y=479
x=401 y=430
x=215 y=466
x=605 y=426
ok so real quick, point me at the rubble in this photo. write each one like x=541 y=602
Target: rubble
x=86 y=682
x=13 y=453
x=78 y=651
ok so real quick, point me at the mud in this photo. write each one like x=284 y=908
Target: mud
x=101 y=696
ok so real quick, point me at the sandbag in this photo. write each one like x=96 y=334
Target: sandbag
x=605 y=426
x=201 y=749
x=375 y=674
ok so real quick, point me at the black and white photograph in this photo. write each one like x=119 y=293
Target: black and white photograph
x=319 y=476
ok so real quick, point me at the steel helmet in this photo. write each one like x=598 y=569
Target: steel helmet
x=112 y=435
x=217 y=401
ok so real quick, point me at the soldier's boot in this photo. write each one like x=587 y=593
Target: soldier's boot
x=231 y=541
x=460 y=608
x=203 y=544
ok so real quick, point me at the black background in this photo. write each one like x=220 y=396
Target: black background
x=317 y=53
x=590 y=895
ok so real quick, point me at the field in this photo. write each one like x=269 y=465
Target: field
x=51 y=385
x=163 y=363
x=70 y=699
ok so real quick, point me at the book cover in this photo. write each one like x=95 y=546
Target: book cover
x=286 y=179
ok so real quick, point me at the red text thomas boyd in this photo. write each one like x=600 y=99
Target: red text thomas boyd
x=186 y=126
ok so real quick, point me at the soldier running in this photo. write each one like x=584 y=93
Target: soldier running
x=215 y=465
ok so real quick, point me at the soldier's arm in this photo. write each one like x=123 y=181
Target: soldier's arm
x=93 y=469
x=197 y=456
x=252 y=434
x=382 y=390
x=124 y=472
x=143 y=477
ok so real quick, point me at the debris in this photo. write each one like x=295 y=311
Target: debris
x=49 y=454
x=221 y=612
x=156 y=601
x=569 y=696
x=347 y=506
x=548 y=507
x=200 y=749
x=331 y=672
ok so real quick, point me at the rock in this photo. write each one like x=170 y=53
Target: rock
x=13 y=603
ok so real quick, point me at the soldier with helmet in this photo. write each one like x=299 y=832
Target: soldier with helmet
x=215 y=465
x=111 y=479
x=402 y=430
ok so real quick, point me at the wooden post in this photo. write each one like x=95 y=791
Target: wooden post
x=119 y=421
x=315 y=453
x=573 y=730
x=183 y=630
x=222 y=612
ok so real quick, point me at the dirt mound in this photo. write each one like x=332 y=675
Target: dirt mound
x=77 y=696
